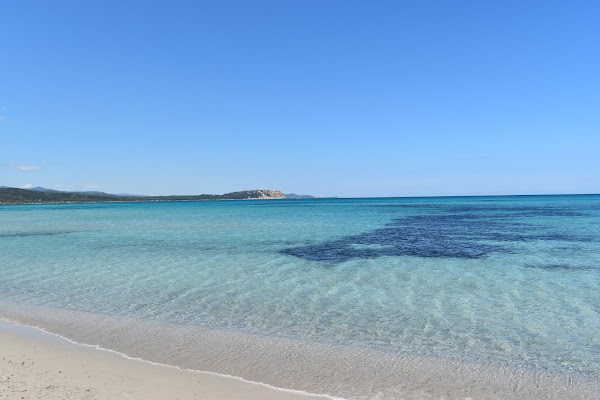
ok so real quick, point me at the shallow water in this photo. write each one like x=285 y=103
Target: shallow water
x=507 y=282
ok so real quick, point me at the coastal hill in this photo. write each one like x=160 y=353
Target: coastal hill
x=255 y=194
x=35 y=195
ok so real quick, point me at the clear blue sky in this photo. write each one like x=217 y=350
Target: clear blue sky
x=333 y=98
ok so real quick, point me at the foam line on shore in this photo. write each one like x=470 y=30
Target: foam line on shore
x=277 y=363
x=98 y=347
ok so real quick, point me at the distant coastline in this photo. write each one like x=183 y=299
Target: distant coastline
x=41 y=195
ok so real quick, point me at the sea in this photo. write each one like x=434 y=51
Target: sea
x=370 y=298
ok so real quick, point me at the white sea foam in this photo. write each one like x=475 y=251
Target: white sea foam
x=124 y=355
x=339 y=371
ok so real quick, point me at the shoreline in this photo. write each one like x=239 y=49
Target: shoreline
x=2 y=203
x=343 y=372
x=46 y=363
x=130 y=201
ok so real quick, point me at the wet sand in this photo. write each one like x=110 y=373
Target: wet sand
x=264 y=363
x=36 y=365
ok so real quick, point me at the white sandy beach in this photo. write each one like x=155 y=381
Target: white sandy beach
x=37 y=365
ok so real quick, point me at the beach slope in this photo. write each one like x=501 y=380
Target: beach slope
x=37 y=365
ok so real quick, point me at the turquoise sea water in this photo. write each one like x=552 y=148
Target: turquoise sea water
x=507 y=281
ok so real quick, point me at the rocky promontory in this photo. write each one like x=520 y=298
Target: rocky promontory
x=256 y=194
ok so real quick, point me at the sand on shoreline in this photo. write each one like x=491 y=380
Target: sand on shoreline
x=35 y=365
x=345 y=371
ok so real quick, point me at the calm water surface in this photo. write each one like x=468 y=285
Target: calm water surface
x=498 y=280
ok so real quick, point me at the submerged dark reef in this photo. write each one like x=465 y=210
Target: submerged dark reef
x=27 y=234
x=560 y=267
x=455 y=231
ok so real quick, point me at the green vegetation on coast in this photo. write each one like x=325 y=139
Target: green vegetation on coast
x=10 y=195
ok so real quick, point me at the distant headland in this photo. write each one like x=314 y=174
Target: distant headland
x=40 y=195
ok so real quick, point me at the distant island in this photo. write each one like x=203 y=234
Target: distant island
x=37 y=195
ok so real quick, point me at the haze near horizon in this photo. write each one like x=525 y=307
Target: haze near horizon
x=348 y=99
